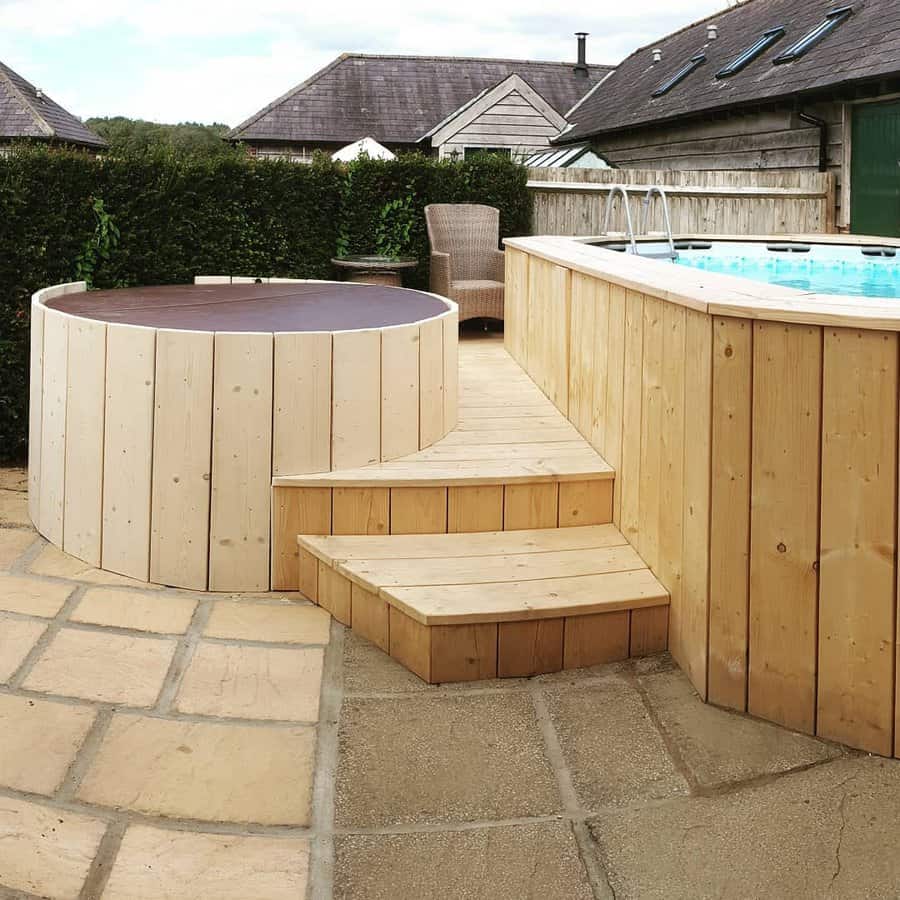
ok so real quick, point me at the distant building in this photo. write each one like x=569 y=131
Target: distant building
x=27 y=112
x=783 y=85
x=447 y=106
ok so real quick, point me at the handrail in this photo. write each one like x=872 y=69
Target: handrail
x=614 y=191
x=660 y=192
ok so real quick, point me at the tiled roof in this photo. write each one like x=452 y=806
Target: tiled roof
x=866 y=46
x=398 y=99
x=24 y=113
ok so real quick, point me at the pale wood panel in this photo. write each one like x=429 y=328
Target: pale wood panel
x=356 y=399
x=370 y=617
x=787 y=376
x=729 y=570
x=334 y=594
x=628 y=475
x=85 y=389
x=410 y=643
x=599 y=364
x=128 y=449
x=649 y=630
x=450 y=371
x=608 y=437
x=399 y=391
x=295 y=511
x=857 y=594
x=53 y=426
x=301 y=431
x=697 y=450
x=583 y=360
x=240 y=517
x=431 y=382
x=477 y=508
x=515 y=305
x=595 y=639
x=585 y=503
x=360 y=510
x=548 y=348
x=463 y=652
x=530 y=506
x=182 y=439
x=670 y=489
x=35 y=398
x=647 y=531
x=529 y=648
x=416 y=510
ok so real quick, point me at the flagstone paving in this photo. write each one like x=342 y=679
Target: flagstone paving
x=158 y=744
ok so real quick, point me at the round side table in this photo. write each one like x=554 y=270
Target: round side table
x=375 y=269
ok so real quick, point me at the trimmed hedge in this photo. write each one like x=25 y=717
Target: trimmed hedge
x=180 y=216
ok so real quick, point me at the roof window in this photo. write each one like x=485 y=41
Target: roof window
x=680 y=75
x=739 y=63
x=805 y=44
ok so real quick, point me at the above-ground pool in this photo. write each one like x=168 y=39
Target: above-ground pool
x=159 y=415
x=868 y=270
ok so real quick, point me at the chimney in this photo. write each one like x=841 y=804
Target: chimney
x=581 y=67
x=657 y=56
x=712 y=32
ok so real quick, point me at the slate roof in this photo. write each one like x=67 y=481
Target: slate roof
x=866 y=46
x=398 y=99
x=23 y=114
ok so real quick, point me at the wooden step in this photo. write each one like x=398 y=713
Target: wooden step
x=457 y=607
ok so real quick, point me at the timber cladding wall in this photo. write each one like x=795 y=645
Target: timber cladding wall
x=756 y=473
x=572 y=201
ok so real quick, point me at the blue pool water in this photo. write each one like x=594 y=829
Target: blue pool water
x=821 y=269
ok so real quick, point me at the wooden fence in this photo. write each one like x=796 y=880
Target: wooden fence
x=572 y=201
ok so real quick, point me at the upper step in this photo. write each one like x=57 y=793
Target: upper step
x=585 y=587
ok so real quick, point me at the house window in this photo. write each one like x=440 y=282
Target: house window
x=680 y=75
x=469 y=152
x=820 y=32
x=741 y=62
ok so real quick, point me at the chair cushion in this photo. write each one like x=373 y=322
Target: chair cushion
x=482 y=286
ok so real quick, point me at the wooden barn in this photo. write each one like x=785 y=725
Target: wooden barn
x=788 y=85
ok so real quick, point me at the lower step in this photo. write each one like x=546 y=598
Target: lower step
x=461 y=607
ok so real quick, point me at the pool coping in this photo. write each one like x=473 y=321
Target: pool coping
x=718 y=294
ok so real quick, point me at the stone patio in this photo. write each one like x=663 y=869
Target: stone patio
x=157 y=743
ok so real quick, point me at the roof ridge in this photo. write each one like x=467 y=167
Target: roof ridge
x=39 y=120
x=494 y=59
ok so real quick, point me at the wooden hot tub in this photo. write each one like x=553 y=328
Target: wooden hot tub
x=159 y=415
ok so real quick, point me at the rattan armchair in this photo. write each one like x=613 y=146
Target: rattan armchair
x=466 y=265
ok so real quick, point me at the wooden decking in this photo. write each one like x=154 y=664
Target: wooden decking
x=458 y=607
x=508 y=432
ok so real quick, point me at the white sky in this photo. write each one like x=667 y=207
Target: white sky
x=221 y=60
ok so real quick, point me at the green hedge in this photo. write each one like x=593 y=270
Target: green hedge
x=182 y=216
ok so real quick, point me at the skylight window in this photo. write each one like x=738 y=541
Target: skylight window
x=739 y=63
x=680 y=75
x=805 y=44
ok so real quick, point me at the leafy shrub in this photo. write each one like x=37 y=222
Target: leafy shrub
x=179 y=215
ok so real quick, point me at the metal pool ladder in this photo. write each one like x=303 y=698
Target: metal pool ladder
x=619 y=190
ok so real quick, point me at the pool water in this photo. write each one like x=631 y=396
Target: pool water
x=821 y=269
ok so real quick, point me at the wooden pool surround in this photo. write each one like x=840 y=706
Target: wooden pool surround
x=153 y=447
x=754 y=434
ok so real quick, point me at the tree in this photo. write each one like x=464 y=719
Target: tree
x=129 y=136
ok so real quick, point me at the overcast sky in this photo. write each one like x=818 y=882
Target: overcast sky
x=221 y=60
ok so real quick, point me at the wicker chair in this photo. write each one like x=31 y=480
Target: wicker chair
x=466 y=265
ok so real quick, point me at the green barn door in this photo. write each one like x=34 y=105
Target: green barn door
x=875 y=170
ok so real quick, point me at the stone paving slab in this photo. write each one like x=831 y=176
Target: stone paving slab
x=154 y=863
x=519 y=862
x=286 y=623
x=54 y=563
x=46 y=851
x=718 y=747
x=13 y=543
x=449 y=758
x=14 y=508
x=137 y=610
x=102 y=666
x=211 y=771
x=614 y=751
x=235 y=681
x=831 y=831
x=33 y=597
x=38 y=741
x=13 y=478
x=17 y=637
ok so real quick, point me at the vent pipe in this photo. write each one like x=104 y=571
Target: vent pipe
x=712 y=32
x=581 y=66
x=657 y=56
